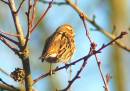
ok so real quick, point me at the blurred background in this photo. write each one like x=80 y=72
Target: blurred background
x=114 y=60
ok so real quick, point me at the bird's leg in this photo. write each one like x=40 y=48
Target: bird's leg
x=51 y=69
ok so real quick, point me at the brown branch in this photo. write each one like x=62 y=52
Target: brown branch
x=42 y=17
x=109 y=35
x=24 y=51
x=7 y=86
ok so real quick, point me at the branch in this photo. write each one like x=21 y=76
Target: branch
x=42 y=17
x=109 y=35
x=7 y=86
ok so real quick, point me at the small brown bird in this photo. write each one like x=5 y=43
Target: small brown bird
x=60 y=46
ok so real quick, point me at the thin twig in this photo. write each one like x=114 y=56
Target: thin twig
x=20 y=6
x=42 y=17
x=33 y=12
x=56 y=3
x=29 y=24
x=101 y=73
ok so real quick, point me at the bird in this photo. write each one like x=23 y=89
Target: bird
x=60 y=46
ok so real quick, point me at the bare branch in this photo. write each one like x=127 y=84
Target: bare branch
x=42 y=17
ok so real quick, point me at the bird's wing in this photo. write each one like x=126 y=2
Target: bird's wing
x=52 y=45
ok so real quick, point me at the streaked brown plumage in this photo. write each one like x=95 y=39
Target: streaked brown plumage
x=60 y=46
